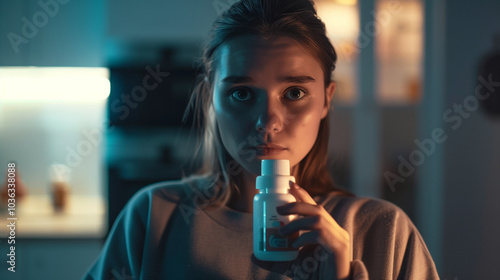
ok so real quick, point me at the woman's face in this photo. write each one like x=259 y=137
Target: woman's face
x=268 y=92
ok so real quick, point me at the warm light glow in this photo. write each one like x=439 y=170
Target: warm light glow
x=346 y=2
x=342 y=26
x=399 y=52
x=342 y=22
x=54 y=84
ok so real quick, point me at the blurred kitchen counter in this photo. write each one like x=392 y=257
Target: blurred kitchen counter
x=83 y=217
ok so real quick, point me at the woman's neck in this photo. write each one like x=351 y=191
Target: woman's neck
x=242 y=201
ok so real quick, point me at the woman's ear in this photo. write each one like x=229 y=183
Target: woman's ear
x=329 y=91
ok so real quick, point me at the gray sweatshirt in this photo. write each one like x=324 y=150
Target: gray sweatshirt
x=164 y=232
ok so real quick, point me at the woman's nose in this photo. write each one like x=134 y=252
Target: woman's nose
x=270 y=118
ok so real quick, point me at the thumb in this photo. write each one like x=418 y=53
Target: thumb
x=300 y=194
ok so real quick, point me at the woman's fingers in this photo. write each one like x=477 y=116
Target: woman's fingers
x=307 y=223
x=301 y=194
x=300 y=208
x=321 y=224
x=307 y=238
x=315 y=218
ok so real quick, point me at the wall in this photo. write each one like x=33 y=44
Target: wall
x=59 y=33
x=174 y=22
x=472 y=155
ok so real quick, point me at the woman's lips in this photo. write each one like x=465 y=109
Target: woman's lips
x=267 y=150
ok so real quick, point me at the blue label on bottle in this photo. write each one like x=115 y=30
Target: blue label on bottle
x=274 y=241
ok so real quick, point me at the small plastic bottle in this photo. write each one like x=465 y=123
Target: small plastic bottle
x=273 y=186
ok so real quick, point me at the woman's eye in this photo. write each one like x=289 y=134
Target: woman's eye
x=241 y=94
x=295 y=94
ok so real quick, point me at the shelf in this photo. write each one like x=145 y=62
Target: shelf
x=84 y=217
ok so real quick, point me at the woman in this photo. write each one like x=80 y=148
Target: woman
x=264 y=92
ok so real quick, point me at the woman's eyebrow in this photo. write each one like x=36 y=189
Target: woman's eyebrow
x=236 y=79
x=297 y=79
x=285 y=79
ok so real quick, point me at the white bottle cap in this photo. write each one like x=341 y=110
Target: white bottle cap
x=275 y=167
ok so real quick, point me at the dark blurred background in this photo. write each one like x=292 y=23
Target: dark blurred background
x=408 y=124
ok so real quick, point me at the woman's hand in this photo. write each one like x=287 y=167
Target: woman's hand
x=322 y=228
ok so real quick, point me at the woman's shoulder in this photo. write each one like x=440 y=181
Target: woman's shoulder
x=171 y=192
x=337 y=198
x=364 y=211
x=382 y=236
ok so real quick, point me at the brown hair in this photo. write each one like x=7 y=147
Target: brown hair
x=267 y=19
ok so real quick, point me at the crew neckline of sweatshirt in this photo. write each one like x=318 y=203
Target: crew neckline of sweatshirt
x=230 y=218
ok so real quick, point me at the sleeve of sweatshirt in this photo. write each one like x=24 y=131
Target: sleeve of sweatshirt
x=386 y=244
x=121 y=255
